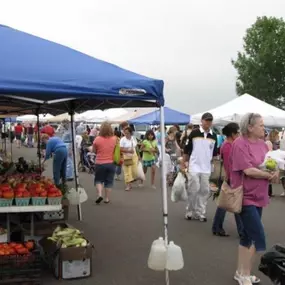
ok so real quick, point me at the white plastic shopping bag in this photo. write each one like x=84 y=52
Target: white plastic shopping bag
x=178 y=192
x=140 y=173
x=76 y=198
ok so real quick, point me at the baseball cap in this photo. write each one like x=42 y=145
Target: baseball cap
x=207 y=117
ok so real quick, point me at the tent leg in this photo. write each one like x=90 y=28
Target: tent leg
x=39 y=140
x=5 y=139
x=11 y=142
x=76 y=178
x=164 y=185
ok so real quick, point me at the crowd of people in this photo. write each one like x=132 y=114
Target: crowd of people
x=240 y=151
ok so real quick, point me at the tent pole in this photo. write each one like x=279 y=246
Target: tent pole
x=11 y=141
x=164 y=185
x=5 y=139
x=76 y=178
x=39 y=139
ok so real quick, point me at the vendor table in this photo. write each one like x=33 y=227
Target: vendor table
x=27 y=209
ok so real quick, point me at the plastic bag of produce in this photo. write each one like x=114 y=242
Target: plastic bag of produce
x=76 y=198
x=140 y=173
x=273 y=160
x=117 y=154
x=178 y=192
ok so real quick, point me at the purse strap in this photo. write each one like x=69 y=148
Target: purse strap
x=220 y=180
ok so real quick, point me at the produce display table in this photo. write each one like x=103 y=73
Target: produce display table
x=27 y=209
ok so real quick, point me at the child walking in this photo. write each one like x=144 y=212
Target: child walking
x=150 y=153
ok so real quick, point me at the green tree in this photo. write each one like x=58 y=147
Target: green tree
x=261 y=64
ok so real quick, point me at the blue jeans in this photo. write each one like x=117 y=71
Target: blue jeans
x=59 y=165
x=219 y=218
x=104 y=174
x=30 y=140
x=253 y=232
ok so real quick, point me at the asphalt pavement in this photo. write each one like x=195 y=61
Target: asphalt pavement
x=122 y=233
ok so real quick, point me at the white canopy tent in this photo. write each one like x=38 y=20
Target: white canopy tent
x=33 y=118
x=62 y=117
x=97 y=116
x=132 y=114
x=233 y=111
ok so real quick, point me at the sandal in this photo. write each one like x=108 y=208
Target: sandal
x=99 y=200
x=221 y=234
x=253 y=279
x=128 y=188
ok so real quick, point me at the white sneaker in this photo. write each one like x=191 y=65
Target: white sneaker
x=243 y=280
x=283 y=194
x=253 y=279
x=190 y=216
x=202 y=218
x=153 y=186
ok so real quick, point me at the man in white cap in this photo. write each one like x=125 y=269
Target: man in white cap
x=199 y=150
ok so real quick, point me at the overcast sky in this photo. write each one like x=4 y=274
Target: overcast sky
x=189 y=44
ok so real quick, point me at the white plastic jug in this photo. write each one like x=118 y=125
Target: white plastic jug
x=157 y=255
x=174 y=259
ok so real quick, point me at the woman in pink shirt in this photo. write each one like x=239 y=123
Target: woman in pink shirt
x=248 y=152
x=231 y=131
x=104 y=146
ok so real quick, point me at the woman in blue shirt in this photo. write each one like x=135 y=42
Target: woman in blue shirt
x=57 y=147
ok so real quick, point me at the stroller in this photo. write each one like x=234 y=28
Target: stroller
x=272 y=264
x=172 y=168
x=87 y=160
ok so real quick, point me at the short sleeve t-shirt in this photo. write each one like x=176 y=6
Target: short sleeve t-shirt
x=104 y=147
x=18 y=129
x=148 y=145
x=246 y=154
x=128 y=143
x=225 y=154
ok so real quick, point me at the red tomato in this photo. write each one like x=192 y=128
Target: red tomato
x=29 y=245
x=26 y=194
x=43 y=194
x=18 y=195
x=8 y=194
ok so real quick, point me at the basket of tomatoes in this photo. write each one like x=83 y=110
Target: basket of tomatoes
x=6 y=195
x=16 y=252
x=54 y=196
x=19 y=263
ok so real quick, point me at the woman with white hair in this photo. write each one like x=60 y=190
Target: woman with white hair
x=248 y=152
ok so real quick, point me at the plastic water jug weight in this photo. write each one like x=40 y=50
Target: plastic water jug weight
x=174 y=259
x=157 y=255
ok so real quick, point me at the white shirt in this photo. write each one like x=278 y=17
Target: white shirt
x=78 y=140
x=128 y=143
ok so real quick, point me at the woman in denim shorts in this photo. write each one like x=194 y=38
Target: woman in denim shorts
x=104 y=146
x=248 y=152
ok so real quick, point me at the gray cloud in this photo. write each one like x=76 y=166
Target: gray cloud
x=188 y=44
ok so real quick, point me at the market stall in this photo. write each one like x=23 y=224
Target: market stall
x=51 y=77
x=233 y=111
x=171 y=117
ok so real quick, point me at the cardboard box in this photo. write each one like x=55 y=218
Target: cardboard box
x=67 y=263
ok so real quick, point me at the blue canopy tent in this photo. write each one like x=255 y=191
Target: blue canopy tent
x=37 y=75
x=170 y=117
x=52 y=73
x=11 y=120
